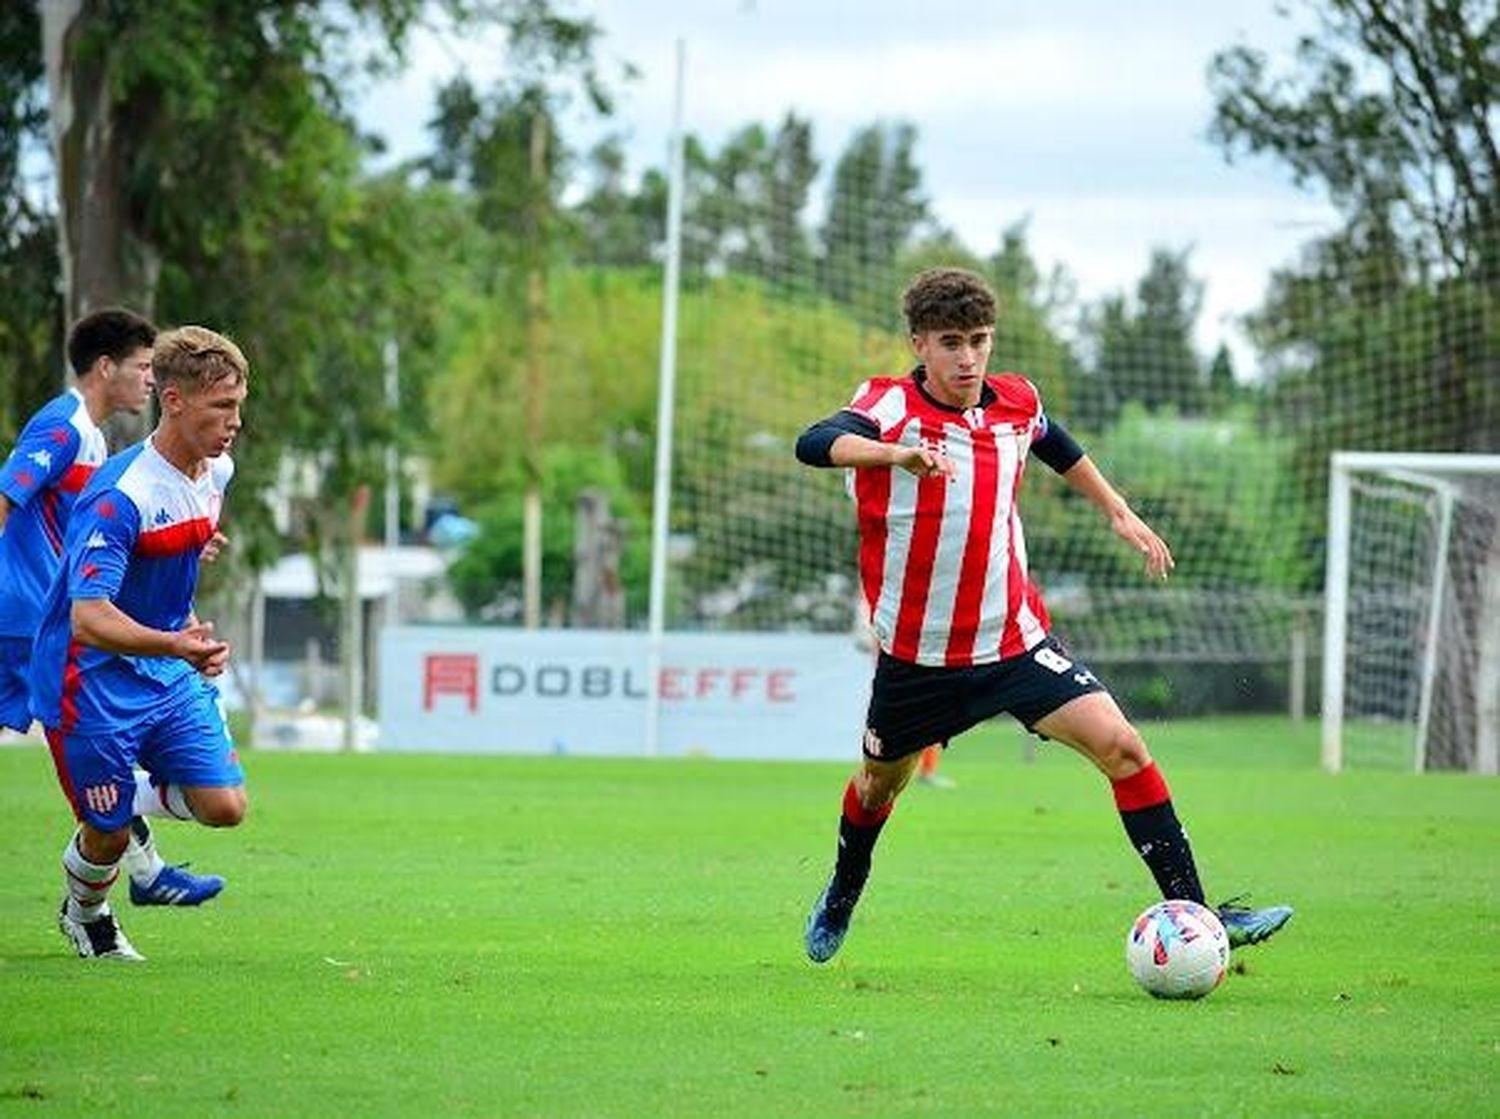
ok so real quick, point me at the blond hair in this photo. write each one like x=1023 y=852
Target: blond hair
x=196 y=356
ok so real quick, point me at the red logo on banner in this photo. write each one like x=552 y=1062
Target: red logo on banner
x=450 y=674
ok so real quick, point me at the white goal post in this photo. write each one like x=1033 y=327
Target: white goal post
x=1411 y=643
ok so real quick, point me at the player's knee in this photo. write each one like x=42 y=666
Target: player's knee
x=219 y=808
x=1123 y=752
x=879 y=785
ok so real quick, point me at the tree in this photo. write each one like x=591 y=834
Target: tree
x=743 y=206
x=1143 y=348
x=1391 y=111
x=185 y=132
x=1391 y=104
x=874 y=209
x=30 y=311
x=614 y=226
x=1222 y=389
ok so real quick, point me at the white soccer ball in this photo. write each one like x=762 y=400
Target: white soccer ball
x=1177 y=950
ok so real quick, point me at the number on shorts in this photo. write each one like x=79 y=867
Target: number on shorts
x=1051 y=658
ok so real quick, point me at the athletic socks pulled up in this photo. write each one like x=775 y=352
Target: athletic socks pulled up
x=859 y=828
x=1150 y=821
x=88 y=883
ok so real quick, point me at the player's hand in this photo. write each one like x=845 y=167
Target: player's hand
x=216 y=544
x=1139 y=535
x=200 y=648
x=924 y=461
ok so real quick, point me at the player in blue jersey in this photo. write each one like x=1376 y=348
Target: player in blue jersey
x=58 y=450
x=118 y=674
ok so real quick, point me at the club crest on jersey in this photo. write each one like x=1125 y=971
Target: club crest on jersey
x=101 y=799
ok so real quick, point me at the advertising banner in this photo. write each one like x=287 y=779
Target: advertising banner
x=447 y=689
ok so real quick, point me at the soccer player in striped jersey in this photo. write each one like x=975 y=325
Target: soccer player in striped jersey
x=58 y=451
x=119 y=672
x=936 y=459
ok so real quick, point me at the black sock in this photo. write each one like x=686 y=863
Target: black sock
x=858 y=831
x=1157 y=835
x=1159 y=839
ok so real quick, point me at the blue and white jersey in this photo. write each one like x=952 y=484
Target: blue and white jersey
x=59 y=449
x=135 y=538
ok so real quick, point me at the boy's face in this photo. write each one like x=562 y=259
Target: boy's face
x=956 y=360
x=206 y=416
x=129 y=381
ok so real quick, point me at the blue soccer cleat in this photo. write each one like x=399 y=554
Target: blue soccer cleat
x=173 y=885
x=828 y=922
x=1251 y=926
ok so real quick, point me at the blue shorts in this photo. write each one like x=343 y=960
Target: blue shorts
x=15 y=697
x=187 y=743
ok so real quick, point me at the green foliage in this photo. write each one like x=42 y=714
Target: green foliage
x=1144 y=349
x=774 y=542
x=597 y=386
x=30 y=310
x=613 y=226
x=1389 y=106
x=487 y=576
x=1225 y=487
x=1390 y=110
x=874 y=208
x=245 y=181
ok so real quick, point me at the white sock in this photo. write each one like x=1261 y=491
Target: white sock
x=88 y=883
x=164 y=800
x=141 y=860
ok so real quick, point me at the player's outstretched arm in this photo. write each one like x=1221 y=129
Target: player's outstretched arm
x=100 y=623
x=1085 y=478
x=857 y=451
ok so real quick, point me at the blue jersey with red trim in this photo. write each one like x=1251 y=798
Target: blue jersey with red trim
x=134 y=538
x=58 y=450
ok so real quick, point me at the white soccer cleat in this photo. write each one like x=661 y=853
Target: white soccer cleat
x=99 y=939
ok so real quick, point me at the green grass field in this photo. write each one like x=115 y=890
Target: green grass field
x=560 y=936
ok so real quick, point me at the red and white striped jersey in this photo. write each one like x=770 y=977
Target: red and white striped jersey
x=943 y=560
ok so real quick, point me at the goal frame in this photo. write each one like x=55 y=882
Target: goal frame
x=1429 y=469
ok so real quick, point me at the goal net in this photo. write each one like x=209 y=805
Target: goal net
x=794 y=257
x=792 y=276
x=1412 y=637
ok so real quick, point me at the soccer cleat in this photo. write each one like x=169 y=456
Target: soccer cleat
x=173 y=885
x=99 y=939
x=828 y=922
x=1251 y=926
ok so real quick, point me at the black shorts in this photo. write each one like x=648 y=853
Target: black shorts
x=914 y=705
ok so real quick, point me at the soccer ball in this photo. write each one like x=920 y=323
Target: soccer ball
x=1177 y=950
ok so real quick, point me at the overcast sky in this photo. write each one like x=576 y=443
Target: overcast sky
x=1087 y=117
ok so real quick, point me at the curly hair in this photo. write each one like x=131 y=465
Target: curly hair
x=948 y=299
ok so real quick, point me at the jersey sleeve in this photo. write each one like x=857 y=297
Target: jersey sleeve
x=42 y=455
x=100 y=541
x=880 y=400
